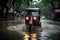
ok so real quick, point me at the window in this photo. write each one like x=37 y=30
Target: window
x=35 y=13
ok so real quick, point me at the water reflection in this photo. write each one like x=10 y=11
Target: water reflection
x=26 y=36
x=32 y=36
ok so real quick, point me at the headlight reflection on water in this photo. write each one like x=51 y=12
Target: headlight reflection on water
x=26 y=36
x=31 y=36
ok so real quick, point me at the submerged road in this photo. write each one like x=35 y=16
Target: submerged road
x=50 y=30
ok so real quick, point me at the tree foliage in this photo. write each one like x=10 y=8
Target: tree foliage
x=47 y=6
x=21 y=4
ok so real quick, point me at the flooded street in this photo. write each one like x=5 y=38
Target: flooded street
x=29 y=19
x=50 y=31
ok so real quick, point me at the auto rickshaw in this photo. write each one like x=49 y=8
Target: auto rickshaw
x=32 y=18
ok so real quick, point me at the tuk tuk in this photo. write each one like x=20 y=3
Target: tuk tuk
x=32 y=18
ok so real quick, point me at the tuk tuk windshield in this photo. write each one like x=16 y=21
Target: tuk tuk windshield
x=33 y=13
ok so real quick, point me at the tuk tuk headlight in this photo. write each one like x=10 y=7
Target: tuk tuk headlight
x=27 y=18
x=35 y=18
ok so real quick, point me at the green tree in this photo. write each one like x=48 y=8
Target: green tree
x=47 y=6
x=21 y=4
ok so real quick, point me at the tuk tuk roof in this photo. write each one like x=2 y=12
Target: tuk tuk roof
x=33 y=9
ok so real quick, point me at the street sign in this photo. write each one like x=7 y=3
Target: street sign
x=57 y=10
